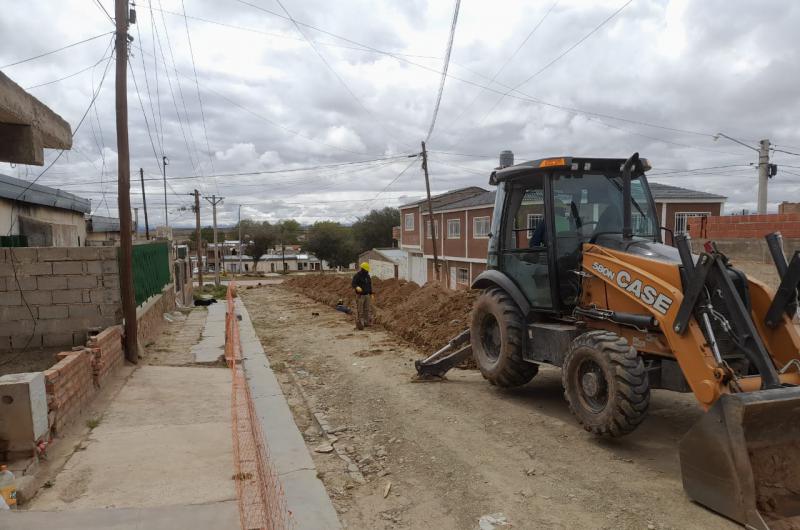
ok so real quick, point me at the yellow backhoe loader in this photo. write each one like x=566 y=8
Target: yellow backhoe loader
x=578 y=277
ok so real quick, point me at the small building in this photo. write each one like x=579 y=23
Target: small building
x=33 y=215
x=290 y=262
x=102 y=231
x=676 y=207
x=386 y=263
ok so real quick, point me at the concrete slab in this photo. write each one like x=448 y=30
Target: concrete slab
x=305 y=494
x=212 y=343
x=165 y=440
x=213 y=516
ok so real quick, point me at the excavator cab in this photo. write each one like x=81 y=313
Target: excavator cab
x=578 y=277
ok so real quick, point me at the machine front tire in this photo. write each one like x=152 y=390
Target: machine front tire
x=605 y=383
x=497 y=335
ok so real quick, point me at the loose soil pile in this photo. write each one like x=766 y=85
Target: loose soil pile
x=426 y=316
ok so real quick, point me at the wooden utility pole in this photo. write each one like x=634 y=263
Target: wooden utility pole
x=123 y=185
x=198 y=239
x=240 y=239
x=214 y=201
x=763 y=175
x=431 y=223
x=165 y=162
x=144 y=204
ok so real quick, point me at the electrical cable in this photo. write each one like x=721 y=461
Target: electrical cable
x=336 y=74
x=9 y=65
x=445 y=66
x=70 y=75
x=199 y=97
x=503 y=66
x=110 y=18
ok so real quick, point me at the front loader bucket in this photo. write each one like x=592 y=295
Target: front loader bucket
x=742 y=459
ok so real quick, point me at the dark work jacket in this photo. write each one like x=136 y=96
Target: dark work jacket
x=362 y=279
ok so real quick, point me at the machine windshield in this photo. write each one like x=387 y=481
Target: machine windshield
x=592 y=204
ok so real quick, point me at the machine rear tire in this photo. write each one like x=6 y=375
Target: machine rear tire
x=605 y=383
x=497 y=335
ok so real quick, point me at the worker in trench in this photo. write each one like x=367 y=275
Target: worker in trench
x=362 y=284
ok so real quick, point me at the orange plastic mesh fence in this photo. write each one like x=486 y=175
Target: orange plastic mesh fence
x=262 y=504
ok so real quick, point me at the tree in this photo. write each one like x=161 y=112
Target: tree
x=330 y=241
x=374 y=230
x=206 y=235
x=259 y=237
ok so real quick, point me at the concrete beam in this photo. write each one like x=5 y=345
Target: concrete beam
x=32 y=125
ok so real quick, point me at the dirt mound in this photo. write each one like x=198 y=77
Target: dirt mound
x=426 y=316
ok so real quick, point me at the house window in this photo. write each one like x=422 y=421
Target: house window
x=683 y=219
x=481 y=227
x=409 y=222
x=462 y=276
x=533 y=221
x=454 y=229
x=435 y=229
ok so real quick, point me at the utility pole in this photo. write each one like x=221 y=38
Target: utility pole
x=144 y=204
x=165 y=162
x=240 y=238
x=431 y=224
x=124 y=185
x=763 y=175
x=214 y=201
x=764 y=168
x=198 y=239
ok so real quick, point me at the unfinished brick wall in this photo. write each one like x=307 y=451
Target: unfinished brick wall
x=150 y=316
x=742 y=236
x=107 y=353
x=70 y=387
x=745 y=226
x=68 y=290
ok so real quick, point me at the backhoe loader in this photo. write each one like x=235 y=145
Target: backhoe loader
x=578 y=276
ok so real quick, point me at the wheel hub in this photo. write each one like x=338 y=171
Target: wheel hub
x=590 y=384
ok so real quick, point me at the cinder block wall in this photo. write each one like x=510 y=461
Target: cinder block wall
x=68 y=290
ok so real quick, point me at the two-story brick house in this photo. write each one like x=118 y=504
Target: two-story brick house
x=462 y=219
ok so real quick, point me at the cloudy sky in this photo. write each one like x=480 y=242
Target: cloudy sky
x=356 y=80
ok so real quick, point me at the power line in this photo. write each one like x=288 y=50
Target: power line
x=503 y=66
x=55 y=51
x=268 y=120
x=557 y=58
x=445 y=66
x=149 y=94
x=110 y=18
x=334 y=72
x=61 y=153
x=199 y=97
x=522 y=96
x=82 y=70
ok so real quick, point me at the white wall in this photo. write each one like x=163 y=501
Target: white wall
x=44 y=214
x=381 y=269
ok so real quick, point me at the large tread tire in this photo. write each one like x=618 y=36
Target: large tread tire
x=627 y=390
x=503 y=364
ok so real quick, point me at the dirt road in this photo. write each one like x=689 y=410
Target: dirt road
x=462 y=449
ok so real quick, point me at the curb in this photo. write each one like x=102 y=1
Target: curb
x=305 y=494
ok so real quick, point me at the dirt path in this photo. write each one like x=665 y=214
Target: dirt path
x=458 y=450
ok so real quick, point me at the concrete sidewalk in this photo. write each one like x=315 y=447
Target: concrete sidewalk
x=306 y=496
x=161 y=457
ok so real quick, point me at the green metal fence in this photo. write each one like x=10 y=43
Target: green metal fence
x=150 y=269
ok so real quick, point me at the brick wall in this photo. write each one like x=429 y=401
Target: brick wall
x=746 y=226
x=789 y=207
x=150 y=316
x=106 y=349
x=70 y=387
x=68 y=290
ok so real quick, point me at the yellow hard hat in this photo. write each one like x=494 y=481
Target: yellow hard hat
x=365 y=266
